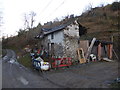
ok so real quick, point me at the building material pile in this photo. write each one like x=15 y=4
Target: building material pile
x=95 y=50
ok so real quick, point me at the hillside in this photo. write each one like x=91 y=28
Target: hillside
x=102 y=23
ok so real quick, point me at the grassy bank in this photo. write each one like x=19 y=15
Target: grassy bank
x=26 y=61
x=3 y=53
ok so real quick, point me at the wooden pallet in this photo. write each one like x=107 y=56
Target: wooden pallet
x=81 y=56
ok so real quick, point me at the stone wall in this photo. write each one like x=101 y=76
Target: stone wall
x=71 y=35
x=70 y=47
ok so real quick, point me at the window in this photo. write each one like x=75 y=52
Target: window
x=52 y=36
x=76 y=28
x=67 y=28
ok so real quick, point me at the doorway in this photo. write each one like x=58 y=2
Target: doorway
x=52 y=49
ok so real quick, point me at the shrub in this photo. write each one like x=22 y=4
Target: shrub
x=115 y=6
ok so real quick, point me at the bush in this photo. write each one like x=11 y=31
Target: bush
x=115 y=6
x=21 y=32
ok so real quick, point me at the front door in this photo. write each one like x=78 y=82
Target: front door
x=52 y=49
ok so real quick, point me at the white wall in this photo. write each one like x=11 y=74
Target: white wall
x=58 y=37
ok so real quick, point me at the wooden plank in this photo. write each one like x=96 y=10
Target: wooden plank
x=84 y=44
x=89 y=49
x=110 y=46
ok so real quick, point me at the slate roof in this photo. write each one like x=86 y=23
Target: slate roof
x=57 y=28
x=46 y=31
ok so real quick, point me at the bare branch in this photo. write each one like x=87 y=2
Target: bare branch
x=29 y=20
x=32 y=15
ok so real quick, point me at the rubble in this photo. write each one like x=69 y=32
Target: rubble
x=108 y=60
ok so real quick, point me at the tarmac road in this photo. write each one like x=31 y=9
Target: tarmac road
x=91 y=75
x=15 y=75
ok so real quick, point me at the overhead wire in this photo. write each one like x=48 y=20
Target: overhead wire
x=43 y=10
x=59 y=6
x=56 y=9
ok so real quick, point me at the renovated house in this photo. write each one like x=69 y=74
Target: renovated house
x=62 y=40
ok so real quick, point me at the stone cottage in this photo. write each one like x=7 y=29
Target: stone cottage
x=62 y=40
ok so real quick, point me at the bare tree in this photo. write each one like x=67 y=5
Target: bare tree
x=102 y=5
x=26 y=23
x=88 y=7
x=1 y=19
x=29 y=20
x=32 y=15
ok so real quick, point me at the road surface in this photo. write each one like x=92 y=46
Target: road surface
x=91 y=75
x=15 y=75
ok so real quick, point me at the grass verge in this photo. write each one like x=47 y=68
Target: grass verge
x=3 y=53
x=26 y=61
